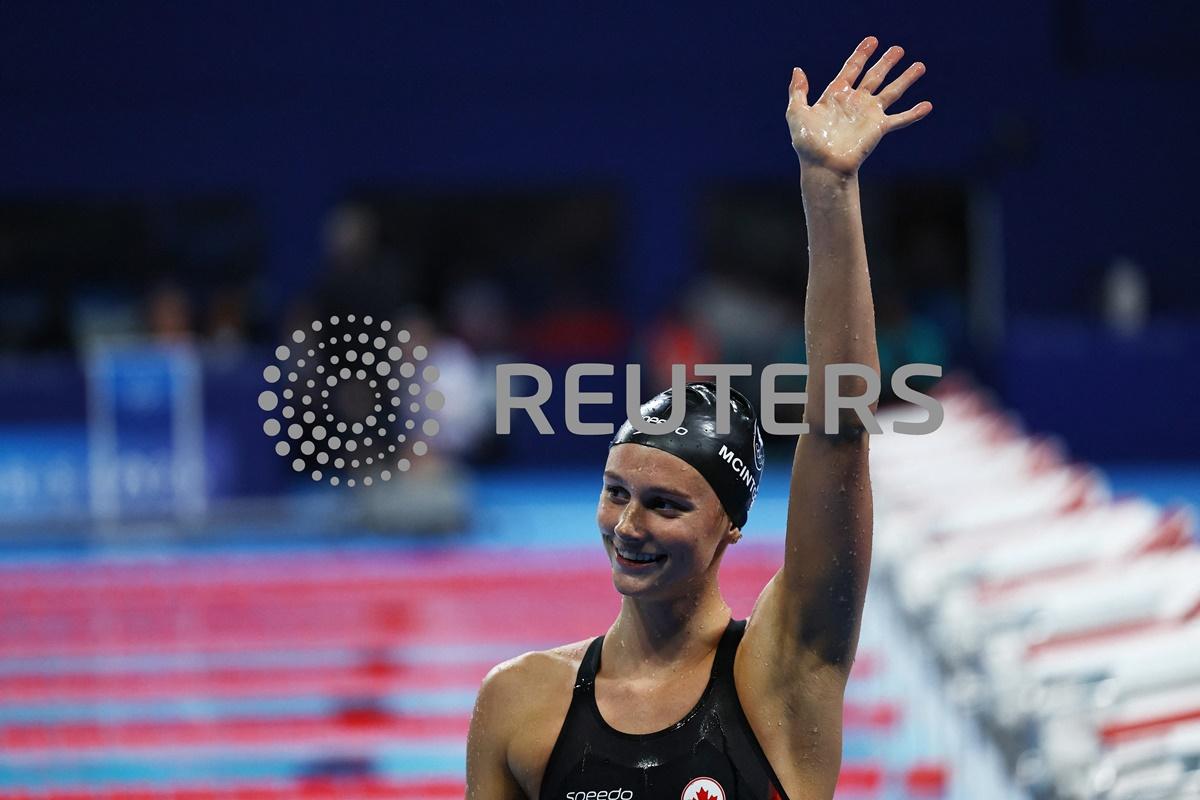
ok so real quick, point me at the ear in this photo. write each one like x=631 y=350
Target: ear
x=735 y=534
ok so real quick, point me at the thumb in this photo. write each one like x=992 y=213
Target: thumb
x=798 y=89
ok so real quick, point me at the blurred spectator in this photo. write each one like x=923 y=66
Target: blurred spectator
x=477 y=311
x=574 y=328
x=1125 y=297
x=229 y=314
x=745 y=320
x=677 y=338
x=358 y=276
x=904 y=337
x=792 y=349
x=933 y=274
x=434 y=496
x=169 y=314
x=468 y=390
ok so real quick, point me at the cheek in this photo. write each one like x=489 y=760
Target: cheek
x=680 y=537
x=708 y=542
x=605 y=516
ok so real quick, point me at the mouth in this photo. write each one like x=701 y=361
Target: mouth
x=638 y=561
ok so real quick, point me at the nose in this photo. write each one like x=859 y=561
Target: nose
x=627 y=526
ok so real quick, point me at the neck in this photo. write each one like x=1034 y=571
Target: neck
x=652 y=633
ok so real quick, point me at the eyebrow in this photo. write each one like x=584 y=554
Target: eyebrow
x=651 y=489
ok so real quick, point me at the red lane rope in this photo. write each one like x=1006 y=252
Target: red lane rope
x=354 y=727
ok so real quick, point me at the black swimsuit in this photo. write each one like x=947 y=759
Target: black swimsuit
x=710 y=754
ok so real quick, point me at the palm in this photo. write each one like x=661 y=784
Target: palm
x=842 y=128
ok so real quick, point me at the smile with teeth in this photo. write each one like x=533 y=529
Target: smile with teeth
x=641 y=558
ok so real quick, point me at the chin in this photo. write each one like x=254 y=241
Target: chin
x=633 y=587
x=643 y=586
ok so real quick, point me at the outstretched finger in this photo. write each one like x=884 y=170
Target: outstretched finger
x=897 y=121
x=877 y=73
x=798 y=88
x=892 y=92
x=853 y=66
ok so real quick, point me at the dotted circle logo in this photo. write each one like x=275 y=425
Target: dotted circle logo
x=349 y=401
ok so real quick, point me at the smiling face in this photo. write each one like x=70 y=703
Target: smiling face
x=662 y=525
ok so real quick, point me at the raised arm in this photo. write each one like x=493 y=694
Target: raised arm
x=815 y=602
x=829 y=514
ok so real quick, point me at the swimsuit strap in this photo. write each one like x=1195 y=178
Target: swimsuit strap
x=727 y=649
x=585 y=679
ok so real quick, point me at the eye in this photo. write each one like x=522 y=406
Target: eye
x=666 y=505
x=614 y=492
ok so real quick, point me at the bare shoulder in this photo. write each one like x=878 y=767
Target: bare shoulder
x=518 y=676
x=521 y=707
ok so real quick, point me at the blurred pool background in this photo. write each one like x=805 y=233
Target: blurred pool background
x=191 y=607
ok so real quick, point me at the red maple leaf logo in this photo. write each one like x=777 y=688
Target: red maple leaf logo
x=703 y=795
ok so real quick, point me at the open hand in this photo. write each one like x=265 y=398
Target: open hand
x=841 y=129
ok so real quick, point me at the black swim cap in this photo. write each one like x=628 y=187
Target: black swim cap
x=732 y=464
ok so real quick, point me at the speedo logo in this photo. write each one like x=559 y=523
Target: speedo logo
x=740 y=468
x=603 y=794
